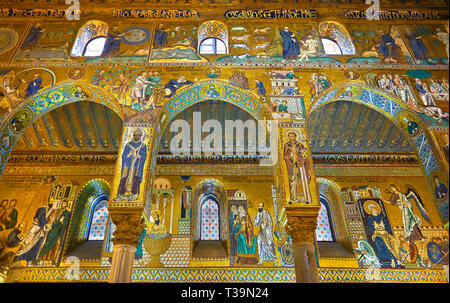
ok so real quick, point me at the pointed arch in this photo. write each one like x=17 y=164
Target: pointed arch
x=395 y=110
x=17 y=122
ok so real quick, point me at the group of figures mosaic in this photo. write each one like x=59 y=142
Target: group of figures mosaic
x=377 y=244
x=40 y=238
x=325 y=42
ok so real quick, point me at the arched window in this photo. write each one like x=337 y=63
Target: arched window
x=330 y=47
x=94 y=48
x=324 y=230
x=212 y=46
x=99 y=219
x=90 y=39
x=212 y=38
x=335 y=32
x=209 y=220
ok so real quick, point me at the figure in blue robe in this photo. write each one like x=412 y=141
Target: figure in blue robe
x=133 y=160
x=382 y=232
x=261 y=89
x=160 y=39
x=417 y=45
x=112 y=43
x=388 y=47
x=34 y=86
x=290 y=91
x=291 y=50
x=33 y=36
x=440 y=189
x=212 y=92
x=35 y=236
x=139 y=252
x=175 y=84
x=233 y=230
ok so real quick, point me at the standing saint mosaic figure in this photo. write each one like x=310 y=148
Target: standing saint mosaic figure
x=298 y=168
x=133 y=160
x=266 y=243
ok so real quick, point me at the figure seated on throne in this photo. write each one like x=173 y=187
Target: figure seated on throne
x=246 y=247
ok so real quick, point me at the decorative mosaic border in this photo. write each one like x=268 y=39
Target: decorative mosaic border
x=13 y=169
x=213 y=170
x=339 y=66
x=367 y=171
x=230 y=275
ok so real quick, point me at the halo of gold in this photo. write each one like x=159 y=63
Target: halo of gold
x=286 y=134
x=369 y=203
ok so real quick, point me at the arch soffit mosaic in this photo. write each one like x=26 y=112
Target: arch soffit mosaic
x=17 y=122
x=422 y=142
x=198 y=92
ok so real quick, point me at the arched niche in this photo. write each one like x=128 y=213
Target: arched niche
x=341 y=245
x=93 y=192
x=209 y=189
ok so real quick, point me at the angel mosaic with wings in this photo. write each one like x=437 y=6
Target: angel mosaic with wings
x=411 y=221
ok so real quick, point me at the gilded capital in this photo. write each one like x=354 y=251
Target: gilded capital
x=128 y=228
x=301 y=229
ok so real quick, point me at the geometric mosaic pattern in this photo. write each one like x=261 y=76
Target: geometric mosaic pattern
x=210 y=221
x=323 y=231
x=387 y=104
x=178 y=254
x=98 y=225
x=184 y=226
x=232 y=275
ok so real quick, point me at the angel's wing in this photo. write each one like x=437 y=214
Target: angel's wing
x=411 y=194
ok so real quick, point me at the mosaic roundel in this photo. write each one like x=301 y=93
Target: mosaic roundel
x=8 y=39
x=20 y=120
x=408 y=123
x=5 y=141
x=135 y=35
x=287 y=253
x=349 y=92
x=212 y=90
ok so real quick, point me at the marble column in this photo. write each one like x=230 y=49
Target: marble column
x=126 y=237
x=171 y=214
x=301 y=229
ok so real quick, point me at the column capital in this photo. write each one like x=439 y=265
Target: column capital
x=128 y=227
x=302 y=222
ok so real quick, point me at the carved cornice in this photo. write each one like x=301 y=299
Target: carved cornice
x=128 y=227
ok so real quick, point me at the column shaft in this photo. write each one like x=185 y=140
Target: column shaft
x=122 y=264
